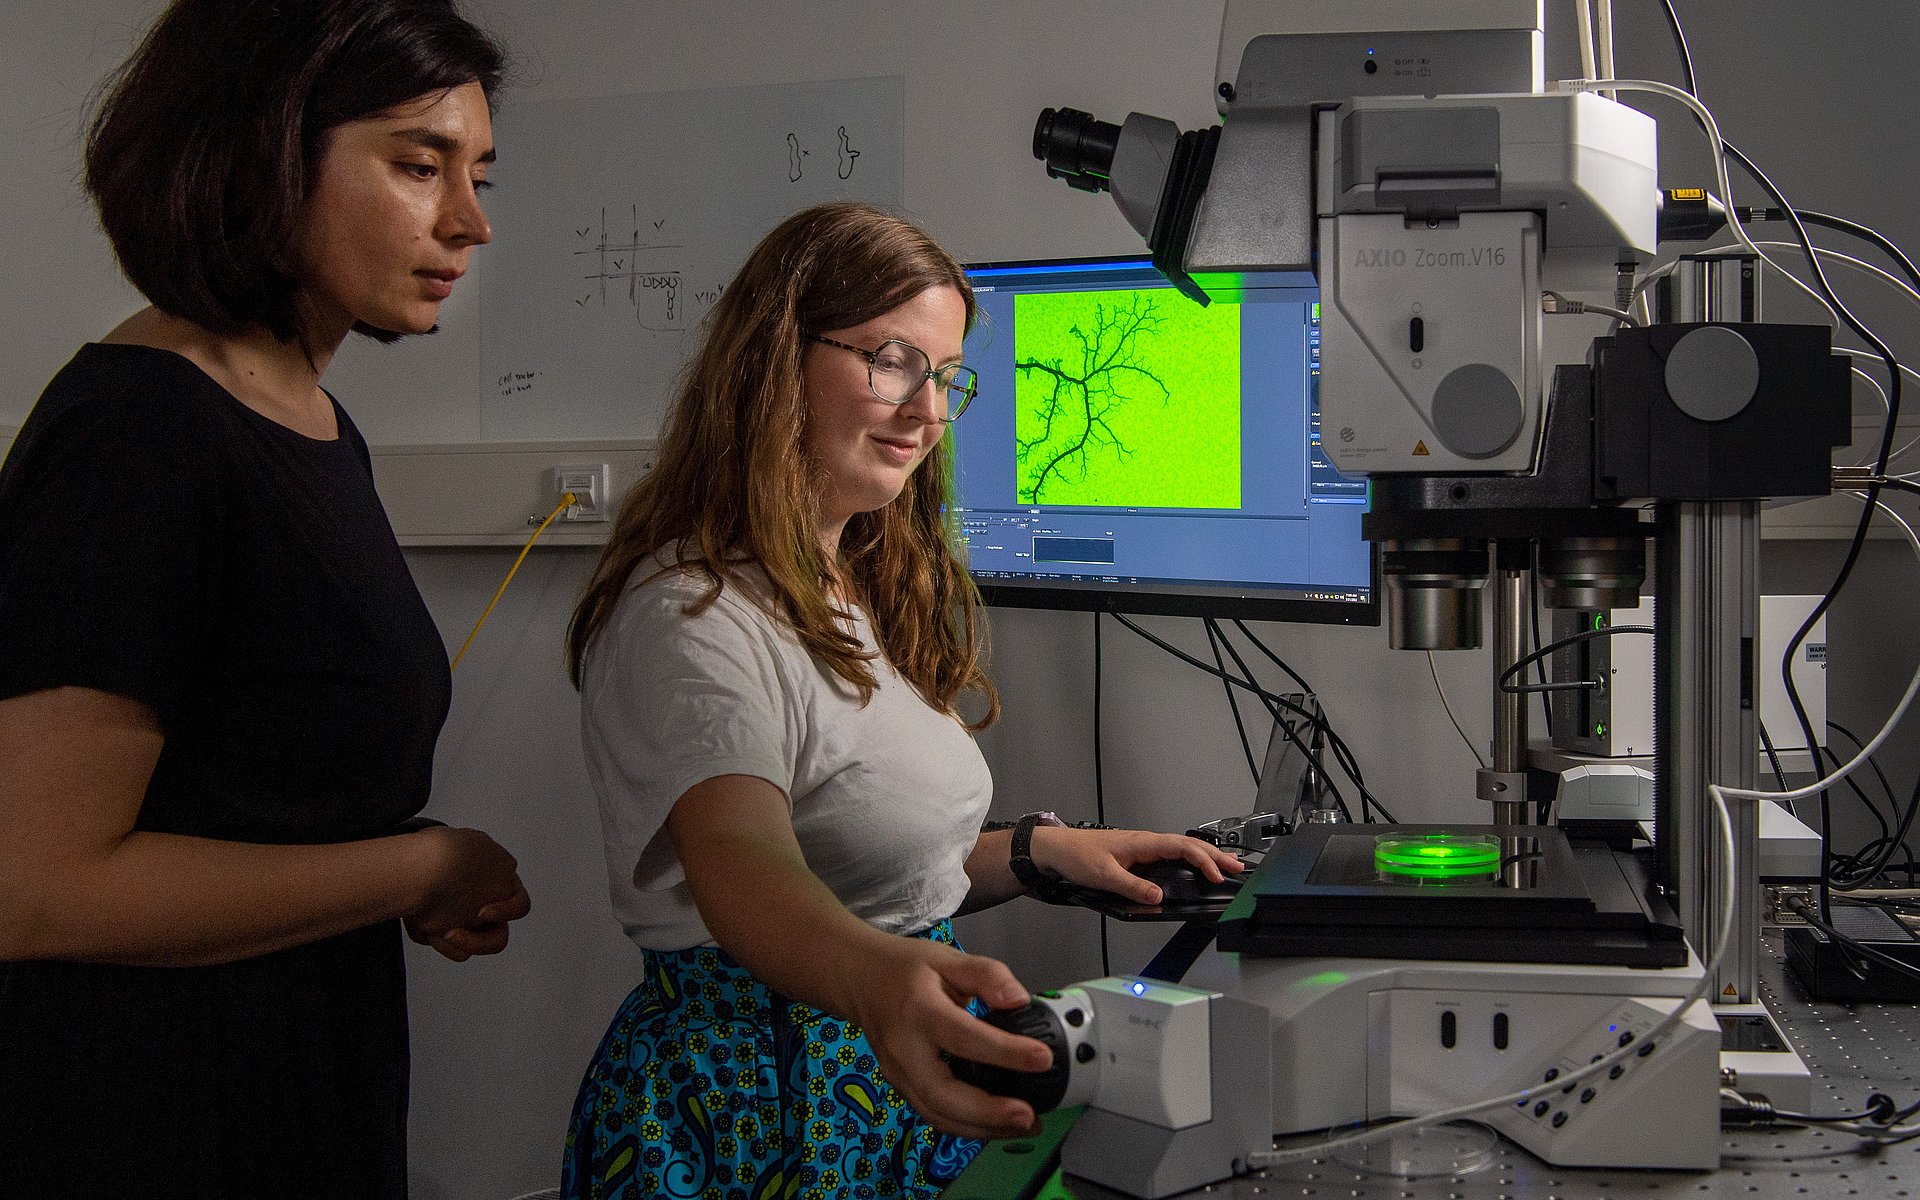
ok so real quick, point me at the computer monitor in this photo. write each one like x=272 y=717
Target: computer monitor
x=1133 y=451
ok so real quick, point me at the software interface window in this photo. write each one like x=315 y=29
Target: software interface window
x=1127 y=439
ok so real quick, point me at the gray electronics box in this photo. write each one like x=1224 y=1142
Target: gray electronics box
x=1615 y=720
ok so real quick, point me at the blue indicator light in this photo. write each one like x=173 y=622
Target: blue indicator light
x=1613 y=1029
x=1139 y=989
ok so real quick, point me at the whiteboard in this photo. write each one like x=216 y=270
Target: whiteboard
x=619 y=221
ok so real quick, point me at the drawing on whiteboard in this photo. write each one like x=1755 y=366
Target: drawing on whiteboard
x=847 y=154
x=624 y=269
x=604 y=305
x=797 y=155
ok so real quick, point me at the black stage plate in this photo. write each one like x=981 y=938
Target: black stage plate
x=1317 y=895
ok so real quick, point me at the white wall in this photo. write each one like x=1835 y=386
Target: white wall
x=500 y=1043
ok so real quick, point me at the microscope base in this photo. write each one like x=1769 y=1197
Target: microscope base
x=1359 y=1039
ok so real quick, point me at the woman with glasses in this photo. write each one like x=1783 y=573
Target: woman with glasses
x=771 y=658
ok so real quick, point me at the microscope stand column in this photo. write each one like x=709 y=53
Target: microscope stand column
x=1705 y=685
x=1706 y=619
x=1504 y=782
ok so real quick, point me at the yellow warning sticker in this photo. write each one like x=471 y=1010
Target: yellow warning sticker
x=1420 y=450
x=1689 y=193
x=1730 y=991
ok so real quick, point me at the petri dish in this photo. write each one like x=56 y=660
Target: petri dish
x=1420 y=1152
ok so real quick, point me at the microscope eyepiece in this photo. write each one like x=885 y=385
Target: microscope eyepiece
x=1076 y=147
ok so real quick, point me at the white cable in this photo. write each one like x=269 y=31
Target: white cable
x=1886 y=405
x=1589 y=66
x=1873 y=356
x=1861 y=265
x=1471 y=748
x=1888 y=510
x=1878 y=739
x=1562 y=304
x=1603 y=38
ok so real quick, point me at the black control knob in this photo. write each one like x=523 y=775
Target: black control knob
x=1042 y=1089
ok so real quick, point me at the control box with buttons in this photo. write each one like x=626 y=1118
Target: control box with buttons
x=1575 y=1056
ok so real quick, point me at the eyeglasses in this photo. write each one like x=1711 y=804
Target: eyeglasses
x=896 y=371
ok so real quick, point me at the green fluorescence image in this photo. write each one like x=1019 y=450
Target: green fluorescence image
x=1127 y=399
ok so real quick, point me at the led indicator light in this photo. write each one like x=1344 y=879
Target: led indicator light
x=1139 y=989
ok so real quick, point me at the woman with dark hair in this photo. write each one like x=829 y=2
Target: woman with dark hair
x=219 y=688
x=770 y=657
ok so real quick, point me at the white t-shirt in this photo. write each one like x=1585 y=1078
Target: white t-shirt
x=887 y=798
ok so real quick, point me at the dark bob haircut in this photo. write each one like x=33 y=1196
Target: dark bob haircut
x=204 y=143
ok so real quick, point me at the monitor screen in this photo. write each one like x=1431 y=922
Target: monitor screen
x=1133 y=451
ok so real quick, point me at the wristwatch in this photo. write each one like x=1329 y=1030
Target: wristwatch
x=1020 y=852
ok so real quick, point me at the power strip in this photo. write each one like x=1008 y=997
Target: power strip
x=1827 y=971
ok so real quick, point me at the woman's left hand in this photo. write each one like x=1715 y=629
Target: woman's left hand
x=1099 y=858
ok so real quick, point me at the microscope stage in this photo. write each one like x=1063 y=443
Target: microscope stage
x=1451 y=892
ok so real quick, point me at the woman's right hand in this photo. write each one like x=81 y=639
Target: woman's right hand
x=908 y=994
x=472 y=891
x=913 y=1008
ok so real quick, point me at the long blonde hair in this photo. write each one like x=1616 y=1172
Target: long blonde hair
x=735 y=487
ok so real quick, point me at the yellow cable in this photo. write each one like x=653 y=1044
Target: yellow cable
x=567 y=499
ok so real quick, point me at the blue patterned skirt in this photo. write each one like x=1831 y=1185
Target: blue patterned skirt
x=709 y=1086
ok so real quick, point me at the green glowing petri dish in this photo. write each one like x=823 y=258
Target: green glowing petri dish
x=1436 y=856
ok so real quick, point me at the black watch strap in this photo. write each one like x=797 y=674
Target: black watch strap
x=1020 y=853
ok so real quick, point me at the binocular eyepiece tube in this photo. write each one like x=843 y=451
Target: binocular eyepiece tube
x=1076 y=147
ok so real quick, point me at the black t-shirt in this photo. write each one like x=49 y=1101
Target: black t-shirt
x=160 y=540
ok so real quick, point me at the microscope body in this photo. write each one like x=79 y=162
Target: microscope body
x=1433 y=251
x=1447 y=204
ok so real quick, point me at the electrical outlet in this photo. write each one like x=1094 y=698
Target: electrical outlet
x=591 y=487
